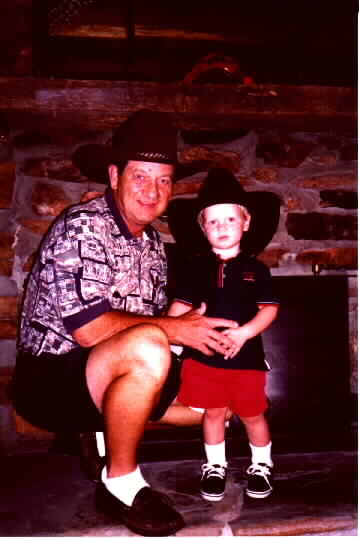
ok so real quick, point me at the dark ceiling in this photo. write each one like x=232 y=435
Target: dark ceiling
x=272 y=41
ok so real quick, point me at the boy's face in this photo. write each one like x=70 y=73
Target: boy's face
x=224 y=225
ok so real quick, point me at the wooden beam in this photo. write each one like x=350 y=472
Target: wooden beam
x=102 y=31
x=47 y=103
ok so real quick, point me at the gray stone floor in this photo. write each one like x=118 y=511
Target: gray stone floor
x=47 y=494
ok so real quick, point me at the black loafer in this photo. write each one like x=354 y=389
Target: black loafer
x=151 y=513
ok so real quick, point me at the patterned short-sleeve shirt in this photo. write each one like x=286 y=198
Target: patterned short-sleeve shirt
x=89 y=264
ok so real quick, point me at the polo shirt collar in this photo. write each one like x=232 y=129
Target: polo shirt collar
x=120 y=220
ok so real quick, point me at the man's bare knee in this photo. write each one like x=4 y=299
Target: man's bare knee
x=141 y=351
x=151 y=350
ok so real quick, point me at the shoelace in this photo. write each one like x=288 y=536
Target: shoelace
x=214 y=470
x=259 y=469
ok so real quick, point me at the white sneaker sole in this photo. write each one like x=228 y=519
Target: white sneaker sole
x=258 y=495
x=212 y=497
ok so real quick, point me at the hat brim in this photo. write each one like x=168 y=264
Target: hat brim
x=263 y=206
x=93 y=160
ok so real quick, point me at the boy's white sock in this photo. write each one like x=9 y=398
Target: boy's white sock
x=262 y=454
x=124 y=487
x=216 y=453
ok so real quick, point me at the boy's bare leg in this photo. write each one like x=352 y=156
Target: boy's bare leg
x=257 y=430
x=180 y=415
x=214 y=425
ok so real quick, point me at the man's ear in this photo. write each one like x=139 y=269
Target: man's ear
x=113 y=174
x=247 y=223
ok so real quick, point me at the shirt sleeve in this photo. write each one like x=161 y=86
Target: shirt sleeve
x=81 y=274
x=266 y=293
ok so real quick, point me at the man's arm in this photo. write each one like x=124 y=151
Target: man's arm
x=189 y=329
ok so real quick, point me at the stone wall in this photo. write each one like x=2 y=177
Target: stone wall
x=313 y=173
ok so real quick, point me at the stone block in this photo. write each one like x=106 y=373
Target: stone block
x=331 y=142
x=339 y=198
x=284 y=151
x=8 y=286
x=6 y=253
x=267 y=174
x=332 y=258
x=293 y=204
x=7 y=353
x=35 y=225
x=298 y=527
x=6 y=266
x=349 y=152
x=7 y=180
x=272 y=256
x=324 y=159
x=49 y=200
x=58 y=168
x=90 y=195
x=8 y=307
x=210 y=158
x=186 y=188
x=329 y=181
x=29 y=263
x=8 y=329
x=212 y=529
x=5 y=380
x=321 y=226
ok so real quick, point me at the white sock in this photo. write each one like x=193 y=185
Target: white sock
x=124 y=487
x=216 y=453
x=100 y=441
x=261 y=454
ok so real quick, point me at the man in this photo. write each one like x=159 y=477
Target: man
x=93 y=350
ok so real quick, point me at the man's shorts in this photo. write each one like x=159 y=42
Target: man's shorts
x=51 y=392
x=243 y=391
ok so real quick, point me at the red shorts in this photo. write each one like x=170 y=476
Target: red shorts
x=210 y=387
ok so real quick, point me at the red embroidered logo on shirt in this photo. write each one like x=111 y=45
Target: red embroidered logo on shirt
x=249 y=276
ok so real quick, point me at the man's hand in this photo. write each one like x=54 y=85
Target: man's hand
x=198 y=331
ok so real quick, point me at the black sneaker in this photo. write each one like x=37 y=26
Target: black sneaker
x=151 y=514
x=259 y=480
x=213 y=482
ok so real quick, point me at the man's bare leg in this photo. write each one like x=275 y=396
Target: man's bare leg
x=179 y=415
x=125 y=375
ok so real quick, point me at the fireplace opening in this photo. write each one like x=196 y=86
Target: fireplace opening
x=308 y=385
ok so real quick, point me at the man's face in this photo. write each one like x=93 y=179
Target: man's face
x=224 y=225
x=142 y=192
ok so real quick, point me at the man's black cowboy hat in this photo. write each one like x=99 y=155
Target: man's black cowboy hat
x=146 y=135
x=222 y=187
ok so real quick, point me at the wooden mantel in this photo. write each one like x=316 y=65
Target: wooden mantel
x=38 y=103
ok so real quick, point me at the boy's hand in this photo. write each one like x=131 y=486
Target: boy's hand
x=265 y=316
x=238 y=337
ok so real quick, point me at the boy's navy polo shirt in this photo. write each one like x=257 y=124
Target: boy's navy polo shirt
x=232 y=290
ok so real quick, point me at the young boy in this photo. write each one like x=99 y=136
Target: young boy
x=236 y=286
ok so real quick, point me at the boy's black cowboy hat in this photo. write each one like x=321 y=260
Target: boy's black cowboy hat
x=146 y=135
x=222 y=187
